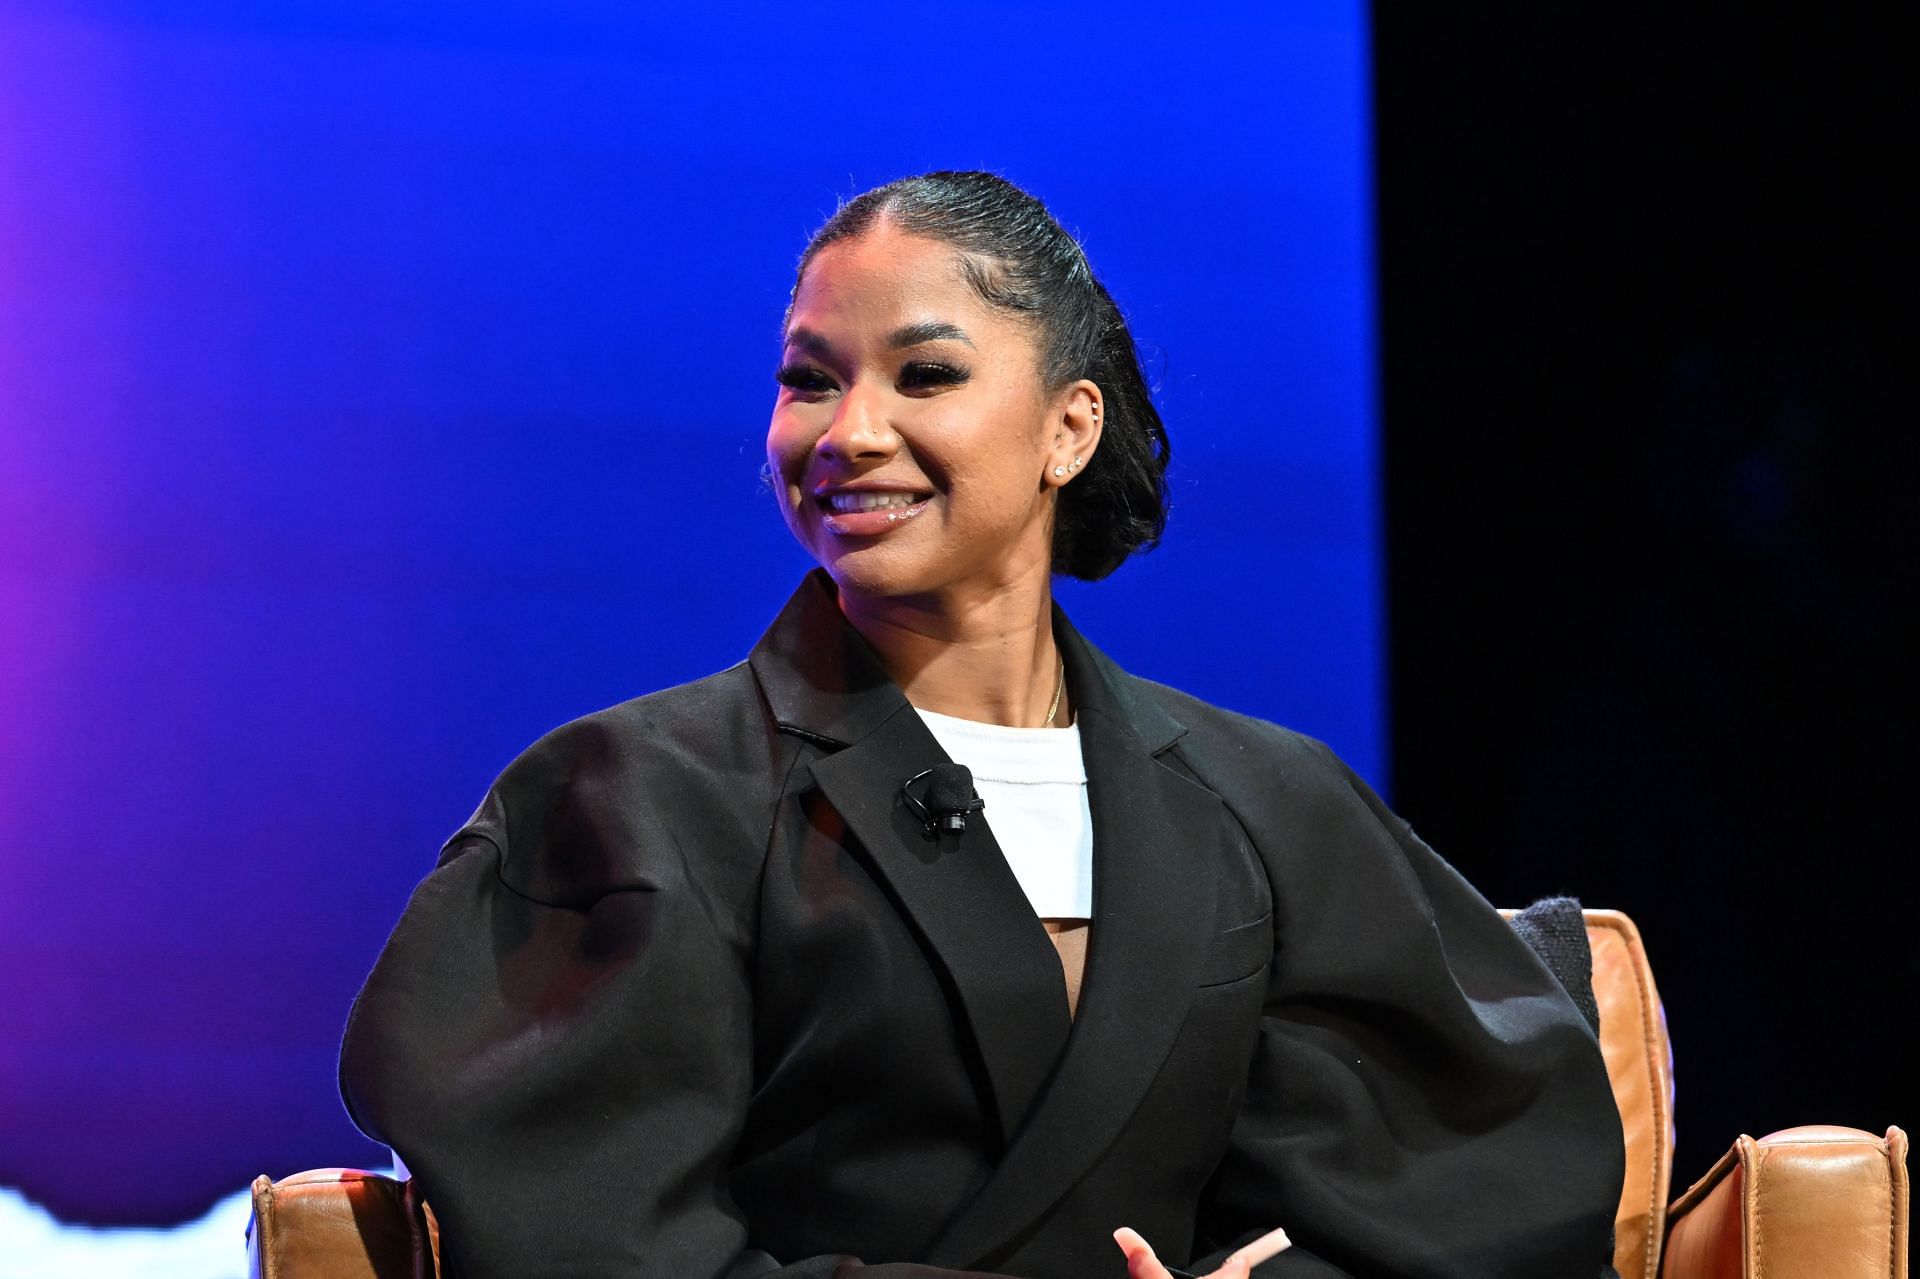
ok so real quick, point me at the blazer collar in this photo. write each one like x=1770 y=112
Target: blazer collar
x=823 y=682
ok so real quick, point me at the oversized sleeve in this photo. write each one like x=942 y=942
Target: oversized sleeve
x=557 y=1040
x=1424 y=1100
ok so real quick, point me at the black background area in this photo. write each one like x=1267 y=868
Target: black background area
x=1651 y=481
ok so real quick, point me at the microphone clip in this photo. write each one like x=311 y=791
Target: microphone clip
x=942 y=797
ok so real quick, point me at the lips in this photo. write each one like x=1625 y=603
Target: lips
x=870 y=512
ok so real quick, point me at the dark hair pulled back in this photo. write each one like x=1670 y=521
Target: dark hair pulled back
x=1019 y=259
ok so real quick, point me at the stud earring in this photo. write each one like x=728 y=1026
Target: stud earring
x=1059 y=471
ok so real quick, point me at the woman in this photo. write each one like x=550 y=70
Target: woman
x=700 y=989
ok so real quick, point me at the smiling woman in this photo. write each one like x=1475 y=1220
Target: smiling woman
x=733 y=979
x=921 y=452
x=968 y=245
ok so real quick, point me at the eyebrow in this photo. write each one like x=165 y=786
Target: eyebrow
x=927 y=331
x=904 y=336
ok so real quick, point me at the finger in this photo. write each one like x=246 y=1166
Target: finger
x=1234 y=1267
x=1141 y=1261
x=1270 y=1244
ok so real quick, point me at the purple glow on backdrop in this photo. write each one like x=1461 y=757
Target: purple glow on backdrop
x=378 y=390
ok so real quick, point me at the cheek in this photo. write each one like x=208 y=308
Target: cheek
x=787 y=453
x=789 y=443
x=1009 y=459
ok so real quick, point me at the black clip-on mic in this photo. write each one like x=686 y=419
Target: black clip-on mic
x=943 y=802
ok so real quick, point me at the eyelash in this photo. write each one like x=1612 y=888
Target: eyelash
x=806 y=379
x=798 y=377
x=932 y=373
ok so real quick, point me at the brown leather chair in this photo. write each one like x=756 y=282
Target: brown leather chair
x=1807 y=1203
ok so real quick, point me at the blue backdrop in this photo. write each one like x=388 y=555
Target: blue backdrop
x=381 y=385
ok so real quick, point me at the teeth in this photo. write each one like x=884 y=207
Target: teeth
x=847 y=503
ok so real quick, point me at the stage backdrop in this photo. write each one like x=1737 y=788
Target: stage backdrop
x=382 y=385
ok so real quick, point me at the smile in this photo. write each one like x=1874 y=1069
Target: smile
x=846 y=503
x=867 y=513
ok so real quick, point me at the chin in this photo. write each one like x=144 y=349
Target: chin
x=885 y=569
x=873 y=576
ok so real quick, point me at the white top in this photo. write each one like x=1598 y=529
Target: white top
x=1034 y=782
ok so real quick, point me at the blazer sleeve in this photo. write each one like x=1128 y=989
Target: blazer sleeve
x=1424 y=1099
x=557 y=1040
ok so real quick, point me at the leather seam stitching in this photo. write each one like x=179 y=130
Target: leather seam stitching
x=1655 y=1219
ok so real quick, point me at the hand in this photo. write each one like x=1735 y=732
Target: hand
x=1143 y=1264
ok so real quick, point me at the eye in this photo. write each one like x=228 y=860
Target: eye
x=926 y=374
x=805 y=381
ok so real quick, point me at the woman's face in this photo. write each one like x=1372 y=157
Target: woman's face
x=913 y=439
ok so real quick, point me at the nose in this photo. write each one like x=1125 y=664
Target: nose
x=859 y=429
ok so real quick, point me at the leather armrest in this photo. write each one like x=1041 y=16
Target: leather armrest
x=338 y=1223
x=1808 y=1203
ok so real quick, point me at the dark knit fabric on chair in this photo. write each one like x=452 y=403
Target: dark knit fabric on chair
x=1557 y=931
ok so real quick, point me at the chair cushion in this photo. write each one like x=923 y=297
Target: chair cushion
x=336 y=1223
x=1818 y=1202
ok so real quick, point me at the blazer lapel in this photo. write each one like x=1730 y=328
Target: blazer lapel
x=1156 y=838
x=957 y=892
x=964 y=901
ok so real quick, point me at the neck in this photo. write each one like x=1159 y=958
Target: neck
x=988 y=658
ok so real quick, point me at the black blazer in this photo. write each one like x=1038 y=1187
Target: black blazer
x=692 y=994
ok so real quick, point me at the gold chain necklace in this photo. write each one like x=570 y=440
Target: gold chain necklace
x=1059 y=687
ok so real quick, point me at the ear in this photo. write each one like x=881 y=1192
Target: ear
x=1079 y=413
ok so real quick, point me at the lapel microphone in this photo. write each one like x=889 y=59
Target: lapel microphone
x=941 y=797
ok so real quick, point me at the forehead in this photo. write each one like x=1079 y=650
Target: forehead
x=885 y=278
